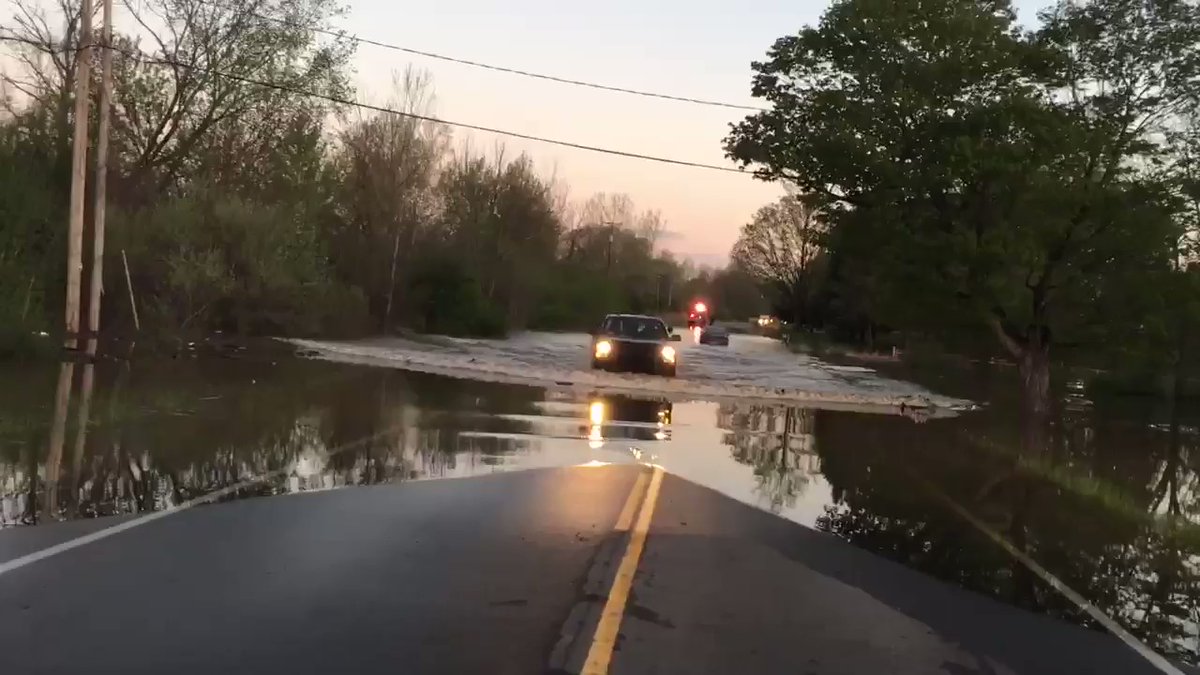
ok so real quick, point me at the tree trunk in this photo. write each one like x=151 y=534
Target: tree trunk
x=1033 y=365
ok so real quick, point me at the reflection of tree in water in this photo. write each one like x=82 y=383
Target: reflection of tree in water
x=1108 y=508
x=155 y=439
x=778 y=442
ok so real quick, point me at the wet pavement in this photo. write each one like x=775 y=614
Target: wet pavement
x=739 y=562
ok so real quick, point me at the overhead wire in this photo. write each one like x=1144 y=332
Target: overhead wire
x=145 y=58
x=487 y=66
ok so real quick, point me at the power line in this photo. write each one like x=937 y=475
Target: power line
x=501 y=69
x=144 y=58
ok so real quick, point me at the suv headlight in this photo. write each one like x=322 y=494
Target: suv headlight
x=668 y=354
x=603 y=349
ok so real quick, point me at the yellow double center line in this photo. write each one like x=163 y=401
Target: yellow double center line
x=605 y=640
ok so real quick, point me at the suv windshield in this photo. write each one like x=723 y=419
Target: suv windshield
x=636 y=327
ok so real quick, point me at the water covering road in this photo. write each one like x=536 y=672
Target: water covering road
x=751 y=367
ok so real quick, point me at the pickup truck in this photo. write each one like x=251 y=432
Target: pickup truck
x=634 y=343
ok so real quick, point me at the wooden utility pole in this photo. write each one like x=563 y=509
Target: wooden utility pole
x=100 y=190
x=79 y=143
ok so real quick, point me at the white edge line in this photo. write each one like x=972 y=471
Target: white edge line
x=137 y=521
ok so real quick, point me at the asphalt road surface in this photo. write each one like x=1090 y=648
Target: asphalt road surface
x=559 y=570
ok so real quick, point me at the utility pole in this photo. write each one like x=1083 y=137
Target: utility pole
x=79 y=143
x=100 y=192
x=612 y=231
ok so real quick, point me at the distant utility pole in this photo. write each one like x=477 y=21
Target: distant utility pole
x=664 y=279
x=100 y=193
x=612 y=231
x=79 y=143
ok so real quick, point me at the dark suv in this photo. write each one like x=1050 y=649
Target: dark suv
x=633 y=343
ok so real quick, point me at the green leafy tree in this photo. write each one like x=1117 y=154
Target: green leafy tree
x=998 y=183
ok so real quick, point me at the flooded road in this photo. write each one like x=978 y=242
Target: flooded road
x=1110 y=510
x=751 y=368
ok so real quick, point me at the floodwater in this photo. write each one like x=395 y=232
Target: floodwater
x=1111 y=508
x=751 y=368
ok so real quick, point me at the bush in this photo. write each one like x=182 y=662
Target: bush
x=446 y=299
x=205 y=262
x=576 y=299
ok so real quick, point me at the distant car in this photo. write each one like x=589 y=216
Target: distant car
x=699 y=315
x=715 y=335
x=633 y=343
x=768 y=326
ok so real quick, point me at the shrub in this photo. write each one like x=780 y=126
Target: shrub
x=206 y=262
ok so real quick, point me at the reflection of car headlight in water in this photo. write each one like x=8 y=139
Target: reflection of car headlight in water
x=596 y=412
x=603 y=349
x=668 y=354
x=595 y=437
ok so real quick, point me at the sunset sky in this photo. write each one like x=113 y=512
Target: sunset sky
x=694 y=48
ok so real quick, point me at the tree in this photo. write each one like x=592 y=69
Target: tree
x=245 y=201
x=499 y=220
x=33 y=192
x=604 y=208
x=388 y=165
x=189 y=130
x=997 y=182
x=213 y=261
x=737 y=294
x=651 y=226
x=191 y=84
x=780 y=248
